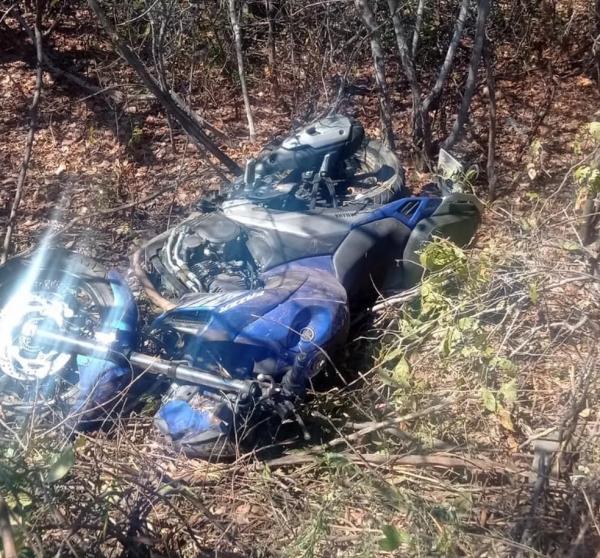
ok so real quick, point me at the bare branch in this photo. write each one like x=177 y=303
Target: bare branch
x=33 y=114
x=438 y=86
x=421 y=126
x=491 y=94
x=234 y=18
x=417 y=29
x=483 y=10
x=368 y=18
x=170 y=104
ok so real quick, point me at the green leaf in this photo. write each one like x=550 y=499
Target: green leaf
x=534 y=294
x=571 y=246
x=451 y=339
x=468 y=324
x=60 y=464
x=401 y=374
x=18 y=500
x=489 y=401
x=393 y=538
x=393 y=354
x=503 y=363
x=594 y=130
x=509 y=391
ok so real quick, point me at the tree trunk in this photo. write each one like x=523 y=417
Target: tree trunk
x=483 y=10
x=417 y=30
x=33 y=112
x=491 y=87
x=237 y=39
x=168 y=102
x=438 y=86
x=421 y=125
x=271 y=49
x=368 y=18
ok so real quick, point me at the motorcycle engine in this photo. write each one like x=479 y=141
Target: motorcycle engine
x=206 y=253
x=218 y=266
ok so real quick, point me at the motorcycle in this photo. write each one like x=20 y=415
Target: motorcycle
x=255 y=292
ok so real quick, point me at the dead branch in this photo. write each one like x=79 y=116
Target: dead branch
x=440 y=81
x=109 y=211
x=51 y=67
x=33 y=114
x=386 y=424
x=368 y=18
x=421 y=125
x=234 y=18
x=169 y=104
x=417 y=29
x=442 y=459
x=491 y=95
x=483 y=10
x=6 y=534
x=7 y=12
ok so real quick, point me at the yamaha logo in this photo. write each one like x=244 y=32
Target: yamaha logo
x=307 y=334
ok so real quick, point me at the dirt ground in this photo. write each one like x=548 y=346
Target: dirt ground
x=457 y=481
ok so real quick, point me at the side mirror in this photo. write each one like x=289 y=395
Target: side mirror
x=450 y=172
x=447 y=166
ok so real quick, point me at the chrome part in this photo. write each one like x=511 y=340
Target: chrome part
x=22 y=356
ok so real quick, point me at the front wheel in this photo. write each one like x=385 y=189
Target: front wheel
x=65 y=293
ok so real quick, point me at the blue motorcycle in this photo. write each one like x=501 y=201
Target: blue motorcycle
x=254 y=293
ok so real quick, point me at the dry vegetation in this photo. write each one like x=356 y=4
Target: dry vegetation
x=463 y=417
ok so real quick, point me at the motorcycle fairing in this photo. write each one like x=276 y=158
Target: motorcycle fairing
x=288 y=331
x=100 y=380
x=260 y=330
x=301 y=310
x=276 y=237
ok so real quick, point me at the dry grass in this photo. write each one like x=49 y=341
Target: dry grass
x=412 y=454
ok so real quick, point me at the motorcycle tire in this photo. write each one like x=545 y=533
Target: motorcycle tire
x=53 y=269
x=57 y=263
x=373 y=157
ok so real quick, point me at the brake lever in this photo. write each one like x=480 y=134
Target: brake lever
x=282 y=401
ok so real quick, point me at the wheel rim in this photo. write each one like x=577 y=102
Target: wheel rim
x=60 y=303
x=22 y=356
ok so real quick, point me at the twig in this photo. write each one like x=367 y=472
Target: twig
x=115 y=96
x=5 y=14
x=310 y=456
x=33 y=109
x=386 y=424
x=109 y=211
x=406 y=296
x=445 y=460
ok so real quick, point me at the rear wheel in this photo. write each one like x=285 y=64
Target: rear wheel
x=376 y=159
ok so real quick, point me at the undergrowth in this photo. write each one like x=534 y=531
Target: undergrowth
x=431 y=446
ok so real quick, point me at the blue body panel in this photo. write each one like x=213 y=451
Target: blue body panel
x=299 y=313
x=424 y=209
x=99 y=379
x=292 y=323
